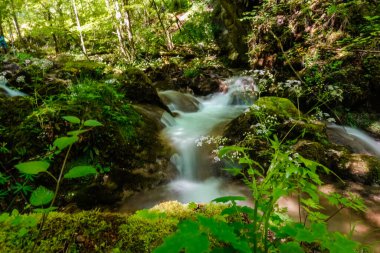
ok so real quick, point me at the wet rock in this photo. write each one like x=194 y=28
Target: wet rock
x=179 y=101
x=138 y=88
x=312 y=150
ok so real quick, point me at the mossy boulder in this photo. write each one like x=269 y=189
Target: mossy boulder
x=83 y=68
x=312 y=150
x=281 y=107
x=137 y=87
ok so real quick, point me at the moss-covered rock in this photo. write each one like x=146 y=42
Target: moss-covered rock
x=281 y=107
x=137 y=87
x=82 y=69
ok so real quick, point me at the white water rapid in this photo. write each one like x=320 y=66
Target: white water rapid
x=197 y=181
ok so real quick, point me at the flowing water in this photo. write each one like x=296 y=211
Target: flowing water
x=10 y=92
x=356 y=139
x=197 y=180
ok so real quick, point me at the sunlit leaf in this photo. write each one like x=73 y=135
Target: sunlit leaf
x=72 y=119
x=33 y=167
x=92 y=123
x=63 y=142
x=81 y=171
x=41 y=196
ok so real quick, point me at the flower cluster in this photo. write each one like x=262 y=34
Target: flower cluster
x=20 y=79
x=293 y=86
x=265 y=127
x=218 y=141
x=323 y=116
x=42 y=64
x=262 y=78
x=111 y=81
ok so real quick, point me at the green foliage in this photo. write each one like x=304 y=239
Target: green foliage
x=41 y=196
x=197 y=29
x=80 y=171
x=246 y=229
x=33 y=167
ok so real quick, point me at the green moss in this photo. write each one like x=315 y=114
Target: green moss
x=282 y=107
x=84 y=68
x=95 y=231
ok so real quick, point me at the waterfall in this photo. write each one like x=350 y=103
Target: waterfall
x=197 y=117
x=212 y=112
x=357 y=140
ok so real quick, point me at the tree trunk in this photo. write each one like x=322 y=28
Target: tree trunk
x=120 y=32
x=1 y=26
x=79 y=28
x=128 y=28
x=168 y=38
x=15 y=21
x=54 y=36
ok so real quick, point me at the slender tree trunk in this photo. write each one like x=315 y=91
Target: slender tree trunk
x=168 y=38
x=120 y=32
x=1 y=26
x=15 y=22
x=128 y=28
x=79 y=27
x=53 y=35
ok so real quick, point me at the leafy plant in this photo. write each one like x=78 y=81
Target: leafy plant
x=42 y=196
x=264 y=228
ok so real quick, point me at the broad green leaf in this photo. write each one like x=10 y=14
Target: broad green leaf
x=81 y=171
x=41 y=196
x=76 y=132
x=63 y=142
x=188 y=237
x=293 y=247
x=229 y=198
x=304 y=235
x=319 y=230
x=341 y=244
x=72 y=119
x=92 y=123
x=226 y=233
x=33 y=167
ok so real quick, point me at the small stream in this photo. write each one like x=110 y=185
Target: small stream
x=198 y=181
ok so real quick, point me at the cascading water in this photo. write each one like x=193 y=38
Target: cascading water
x=357 y=140
x=10 y=92
x=196 y=181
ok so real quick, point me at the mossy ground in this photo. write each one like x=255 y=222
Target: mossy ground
x=93 y=231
